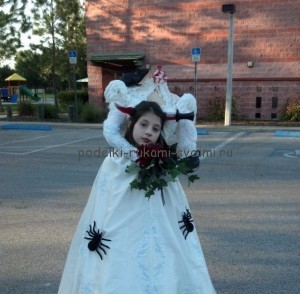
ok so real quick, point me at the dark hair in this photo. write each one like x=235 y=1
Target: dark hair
x=141 y=109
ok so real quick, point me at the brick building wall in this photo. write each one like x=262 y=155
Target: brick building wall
x=266 y=32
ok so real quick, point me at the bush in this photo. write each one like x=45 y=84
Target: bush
x=291 y=111
x=91 y=114
x=25 y=108
x=50 y=111
x=216 y=109
x=66 y=98
x=14 y=108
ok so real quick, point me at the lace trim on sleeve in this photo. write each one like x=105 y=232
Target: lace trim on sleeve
x=116 y=92
x=187 y=103
x=186 y=129
x=112 y=130
x=187 y=138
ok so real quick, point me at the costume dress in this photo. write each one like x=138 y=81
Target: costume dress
x=149 y=252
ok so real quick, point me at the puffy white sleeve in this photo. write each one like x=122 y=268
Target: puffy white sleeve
x=168 y=106
x=112 y=131
x=116 y=92
x=186 y=129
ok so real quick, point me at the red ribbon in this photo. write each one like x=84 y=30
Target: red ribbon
x=128 y=110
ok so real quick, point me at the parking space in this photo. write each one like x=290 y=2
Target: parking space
x=24 y=142
x=245 y=205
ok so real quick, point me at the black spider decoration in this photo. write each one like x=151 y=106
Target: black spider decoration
x=96 y=240
x=187 y=221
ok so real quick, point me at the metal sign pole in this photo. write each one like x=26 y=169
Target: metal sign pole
x=195 y=86
x=73 y=62
x=231 y=9
x=75 y=91
x=229 y=74
x=196 y=53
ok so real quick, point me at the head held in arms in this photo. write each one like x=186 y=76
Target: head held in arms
x=145 y=124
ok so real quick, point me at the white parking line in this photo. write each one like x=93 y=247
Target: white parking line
x=51 y=147
x=295 y=154
x=39 y=137
x=59 y=145
x=212 y=151
x=21 y=141
x=223 y=144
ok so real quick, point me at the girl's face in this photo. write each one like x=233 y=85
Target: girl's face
x=147 y=129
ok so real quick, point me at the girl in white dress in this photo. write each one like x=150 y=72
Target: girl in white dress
x=126 y=242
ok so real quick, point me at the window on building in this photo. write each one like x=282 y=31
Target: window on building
x=274 y=102
x=273 y=115
x=258 y=102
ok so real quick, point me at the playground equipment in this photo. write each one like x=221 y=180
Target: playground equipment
x=16 y=90
x=22 y=91
x=4 y=93
x=14 y=82
x=6 y=97
x=27 y=92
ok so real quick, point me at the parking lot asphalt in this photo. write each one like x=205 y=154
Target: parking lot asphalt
x=246 y=205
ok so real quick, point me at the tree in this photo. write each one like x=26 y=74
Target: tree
x=5 y=72
x=44 y=25
x=61 y=27
x=33 y=66
x=13 y=22
x=72 y=30
x=60 y=24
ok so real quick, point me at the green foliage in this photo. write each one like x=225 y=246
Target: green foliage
x=90 y=114
x=14 y=108
x=31 y=65
x=156 y=167
x=25 y=108
x=61 y=28
x=50 y=111
x=5 y=72
x=66 y=98
x=291 y=111
x=13 y=22
x=216 y=109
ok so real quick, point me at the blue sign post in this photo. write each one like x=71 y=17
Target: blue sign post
x=196 y=54
x=73 y=57
x=73 y=62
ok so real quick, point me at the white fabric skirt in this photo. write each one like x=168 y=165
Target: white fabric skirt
x=147 y=253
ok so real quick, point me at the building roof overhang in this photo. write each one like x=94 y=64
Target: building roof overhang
x=119 y=61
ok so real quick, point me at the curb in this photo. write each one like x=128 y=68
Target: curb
x=27 y=127
x=287 y=134
x=201 y=132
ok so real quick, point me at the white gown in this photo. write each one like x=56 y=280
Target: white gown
x=148 y=251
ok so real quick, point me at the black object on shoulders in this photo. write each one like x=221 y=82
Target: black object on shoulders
x=133 y=78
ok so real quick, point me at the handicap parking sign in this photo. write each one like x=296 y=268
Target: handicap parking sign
x=196 y=53
x=73 y=57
